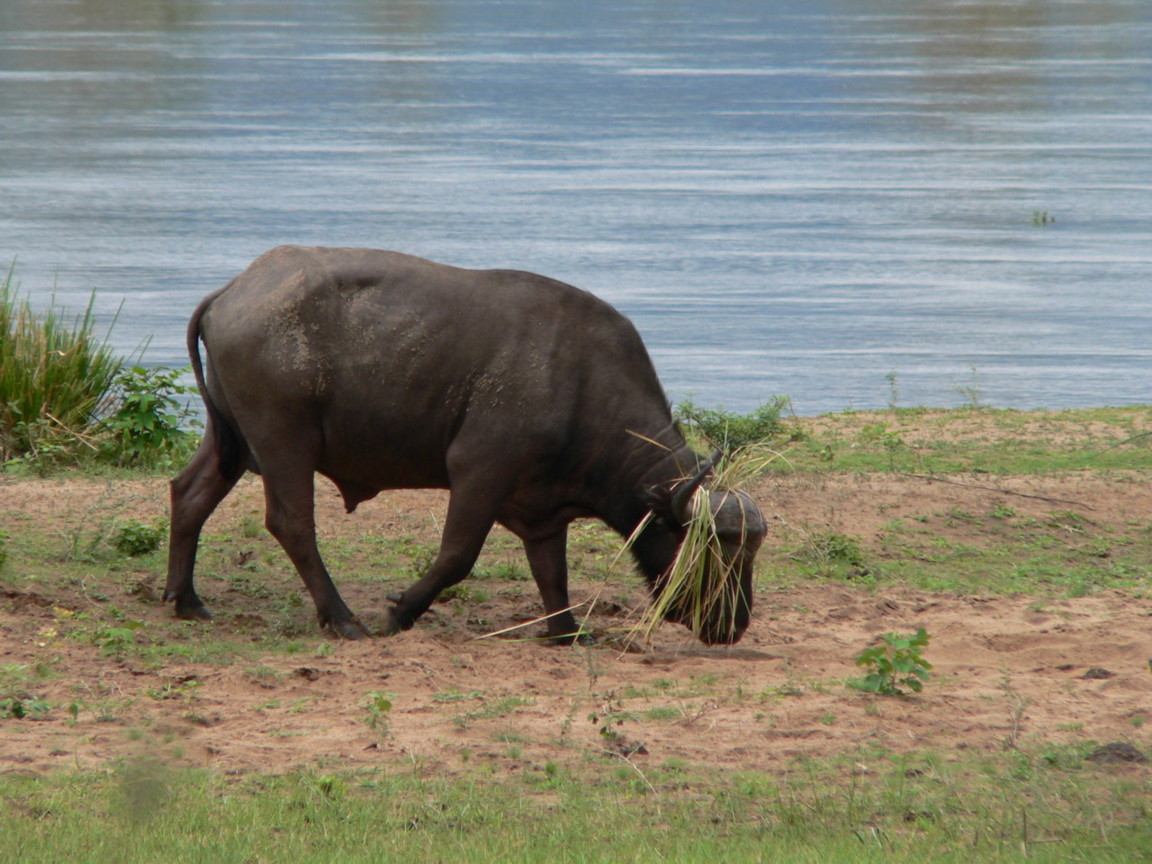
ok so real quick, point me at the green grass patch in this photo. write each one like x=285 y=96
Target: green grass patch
x=960 y=553
x=995 y=441
x=1041 y=805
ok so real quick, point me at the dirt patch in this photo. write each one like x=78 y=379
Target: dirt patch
x=1008 y=670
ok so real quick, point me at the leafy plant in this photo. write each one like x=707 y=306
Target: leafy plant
x=23 y=709
x=609 y=717
x=134 y=538
x=894 y=665
x=378 y=706
x=144 y=427
x=116 y=640
x=727 y=430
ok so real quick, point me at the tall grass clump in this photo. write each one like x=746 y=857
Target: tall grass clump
x=54 y=375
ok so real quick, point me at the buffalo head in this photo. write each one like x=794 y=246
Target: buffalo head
x=708 y=585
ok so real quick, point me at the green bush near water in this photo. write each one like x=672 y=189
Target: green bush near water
x=727 y=430
x=54 y=377
x=145 y=428
x=66 y=398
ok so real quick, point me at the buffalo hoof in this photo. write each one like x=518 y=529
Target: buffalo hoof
x=351 y=629
x=193 y=611
x=395 y=618
x=580 y=638
x=393 y=623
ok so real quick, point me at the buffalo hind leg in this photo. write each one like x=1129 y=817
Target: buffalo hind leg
x=194 y=493
x=290 y=517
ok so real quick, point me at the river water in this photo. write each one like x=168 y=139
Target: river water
x=850 y=204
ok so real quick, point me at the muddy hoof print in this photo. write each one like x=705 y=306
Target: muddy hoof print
x=194 y=613
x=1117 y=751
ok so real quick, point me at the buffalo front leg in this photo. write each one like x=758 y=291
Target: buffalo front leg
x=290 y=517
x=194 y=493
x=548 y=560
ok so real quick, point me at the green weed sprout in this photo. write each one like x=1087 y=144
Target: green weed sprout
x=894 y=665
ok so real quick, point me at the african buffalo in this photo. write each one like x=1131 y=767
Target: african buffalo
x=532 y=401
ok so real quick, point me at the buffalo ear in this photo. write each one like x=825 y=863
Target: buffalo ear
x=659 y=501
x=673 y=503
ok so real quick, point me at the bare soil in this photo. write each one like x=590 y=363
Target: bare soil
x=1009 y=670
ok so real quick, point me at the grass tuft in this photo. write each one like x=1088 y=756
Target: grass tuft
x=54 y=376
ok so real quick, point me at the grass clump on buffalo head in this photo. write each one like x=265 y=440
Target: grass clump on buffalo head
x=702 y=587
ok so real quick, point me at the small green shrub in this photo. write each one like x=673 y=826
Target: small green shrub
x=894 y=665
x=114 y=641
x=133 y=538
x=729 y=431
x=13 y=708
x=144 y=427
x=378 y=707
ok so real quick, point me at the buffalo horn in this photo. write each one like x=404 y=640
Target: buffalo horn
x=682 y=497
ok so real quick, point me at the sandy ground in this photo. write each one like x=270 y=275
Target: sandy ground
x=1009 y=671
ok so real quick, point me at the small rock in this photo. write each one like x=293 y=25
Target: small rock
x=624 y=747
x=919 y=816
x=1097 y=673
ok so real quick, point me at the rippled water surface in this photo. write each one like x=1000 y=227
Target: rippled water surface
x=849 y=204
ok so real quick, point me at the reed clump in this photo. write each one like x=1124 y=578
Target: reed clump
x=55 y=374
